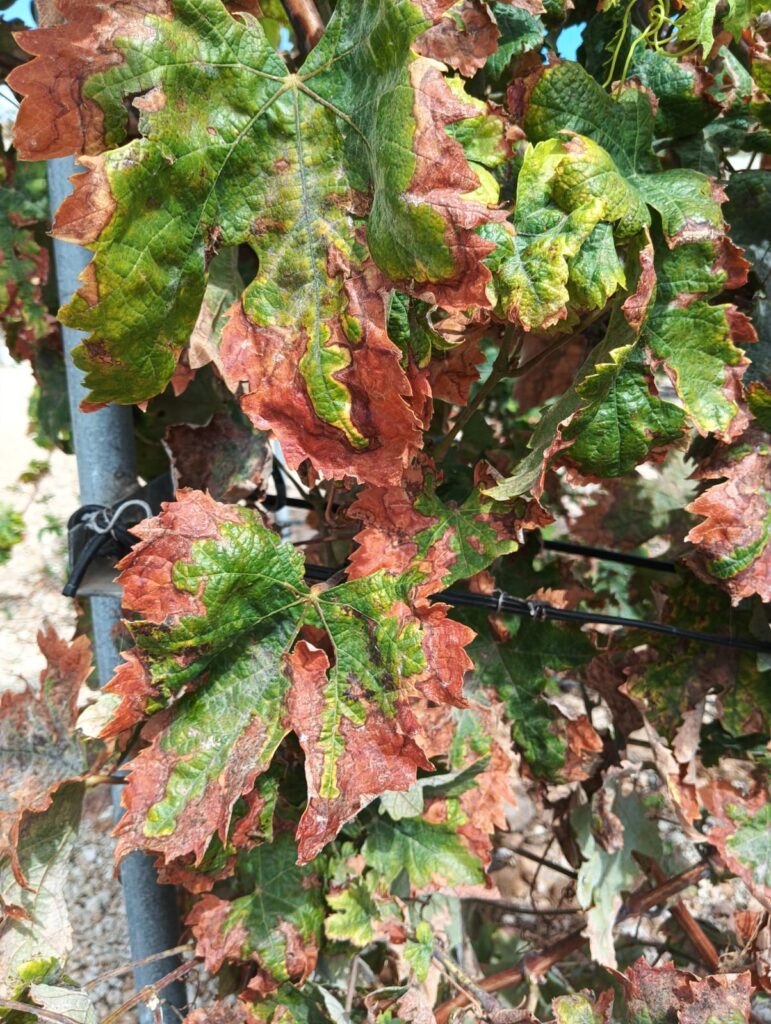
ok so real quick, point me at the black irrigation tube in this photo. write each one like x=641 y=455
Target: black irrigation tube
x=542 y=611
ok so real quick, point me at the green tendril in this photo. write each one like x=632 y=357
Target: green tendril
x=660 y=20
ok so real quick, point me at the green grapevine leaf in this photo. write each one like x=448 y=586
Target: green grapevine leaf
x=538 y=258
x=355 y=914
x=278 y=161
x=565 y=97
x=229 y=617
x=698 y=20
x=431 y=856
x=522 y=670
x=23 y=261
x=274 y=920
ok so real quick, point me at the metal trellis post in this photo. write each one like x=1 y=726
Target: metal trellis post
x=104 y=448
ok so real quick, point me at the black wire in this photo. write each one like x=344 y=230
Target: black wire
x=640 y=561
x=95 y=545
x=272 y=503
x=541 y=611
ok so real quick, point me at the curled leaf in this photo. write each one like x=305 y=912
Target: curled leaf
x=733 y=542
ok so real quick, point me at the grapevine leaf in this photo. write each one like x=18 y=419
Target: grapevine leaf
x=221 y=1013
x=749 y=198
x=609 y=868
x=312 y=1004
x=611 y=419
x=36 y=935
x=722 y=998
x=11 y=531
x=410 y=530
x=23 y=261
x=355 y=914
x=412 y=1006
x=224 y=284
x=39 y=749
x=464 y=37
x=431 y=856
x=632 y=510
x=483 y=136
x=697 y=21
x=72 y=1003
x=660 y=995
x=681 y=89
x=596 y=272
x=273 y=18
x=617 y=429
x=252 y=823
x=275 y=921
x=612 y=370
x=696 y=342
x=521 y=30
x=227 y=457
x=565 y=189
x=411 y=803
x=581 y=1008
x=522 y=669
x=733 y=542
x=419 y=954
x=225 y=606
x=697 y=346
x=565 y=97
x=308 y=335
x=740 y=827
x=476 y=742
x=698 y=270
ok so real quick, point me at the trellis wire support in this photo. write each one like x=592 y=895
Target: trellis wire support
x=104 y=449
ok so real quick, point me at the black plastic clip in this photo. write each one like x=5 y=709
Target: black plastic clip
x=95 y=531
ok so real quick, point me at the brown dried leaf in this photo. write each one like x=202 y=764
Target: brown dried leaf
x=227 y=457
x=39 y=749
x=734 y=541
x=463 y=38
x=740 y=827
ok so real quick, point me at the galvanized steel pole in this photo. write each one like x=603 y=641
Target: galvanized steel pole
x=104 y=448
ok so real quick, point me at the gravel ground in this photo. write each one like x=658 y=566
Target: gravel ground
x=30 y=593
x=30 y=582
x=100 y=937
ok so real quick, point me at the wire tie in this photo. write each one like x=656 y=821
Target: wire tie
x=92 y=519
